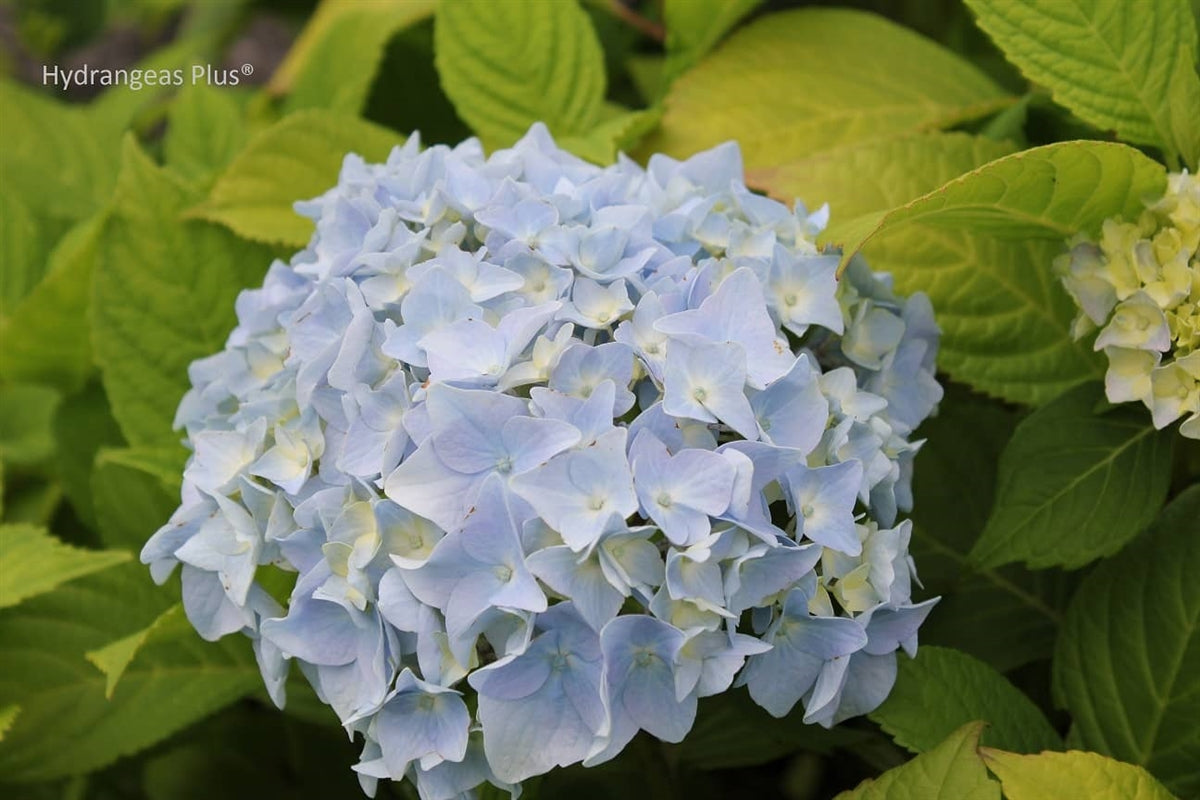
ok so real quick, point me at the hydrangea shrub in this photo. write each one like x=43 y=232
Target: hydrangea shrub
x=551 y=451
x=1140 y=285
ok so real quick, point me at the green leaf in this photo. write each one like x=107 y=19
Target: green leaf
x=695 y=26
x=205 y=130
x=162 y=296
x=1128 y=661
x=950 y=771
x=1007 y=616
x=114 y=658
x=1072 y=774
x=335 y=58
x=1076 y=485
x=506 y=64
x=135 y=491
x=732 y=730
x=82 y=425
x=48 y=337
x=1124 y=67
x=42 y=137
x=26 y=416
x=798 y=82
x=296 y=159
x=981 y=246
x=66 y=726
x=33 y=562
x=942 y=689
x=8 y=715
x=876 y=175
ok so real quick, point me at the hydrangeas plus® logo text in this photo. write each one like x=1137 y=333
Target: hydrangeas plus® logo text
x=137 y=79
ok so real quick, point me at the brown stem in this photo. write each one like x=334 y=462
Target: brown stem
x=654 y=30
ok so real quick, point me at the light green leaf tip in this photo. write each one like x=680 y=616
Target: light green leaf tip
x=8 y=715
x=114 y=658
x=297 y=158
x=950 y=771
x=33 y=562
x=1071 y=774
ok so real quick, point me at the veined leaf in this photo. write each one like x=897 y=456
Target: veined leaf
x=162 y=296
x=66 y=726
x=298 y=158
x=982 y=245
x=795 y=83
x=942 y=689
x=1007 y=616
x=205 y=130
x=1072 y=774
x=33 y=562
x=506 y=64
x=875 y=175
x=335 y=58
x=950 y=771
x=1075 y=485
x=1127 y=67
x=1128 y=661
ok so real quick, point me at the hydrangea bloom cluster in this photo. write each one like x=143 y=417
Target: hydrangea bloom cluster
x=552 y=451
x=1140 y=284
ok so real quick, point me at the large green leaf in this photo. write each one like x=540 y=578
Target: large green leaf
x=1126 y=67
x=876 y=175
x=942 y=689
x=950 y=771
x=981 y=246
x=33 y=562
x=336 y=56
x=162 y=295
x=296 y=159
x=1073 y=774
x=794 y=83
x=1007 y=616
x=47 y=339
x=66 y=726
x=1128 y=662
x=1076 y=485
x=506 y=64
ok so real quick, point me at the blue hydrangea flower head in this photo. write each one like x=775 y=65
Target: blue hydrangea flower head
x=553 y=451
